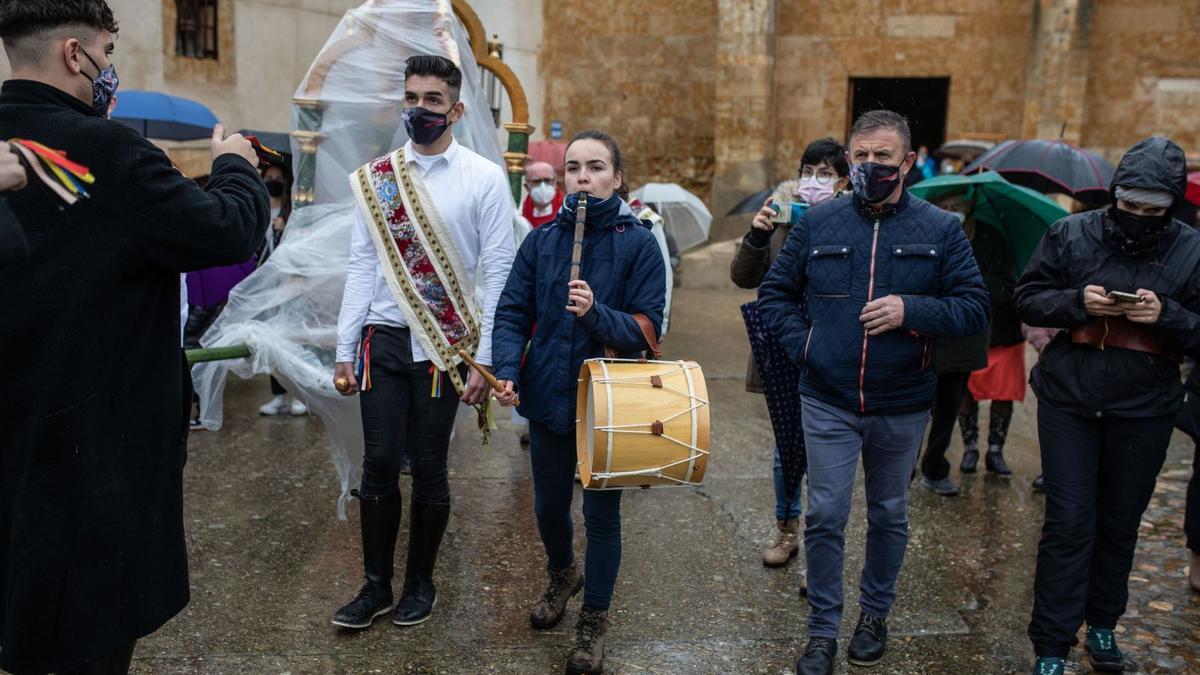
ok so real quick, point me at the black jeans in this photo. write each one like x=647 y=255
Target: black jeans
x=951 y=390
x=1100 y=475
x=1189 y=423
x=400 y=415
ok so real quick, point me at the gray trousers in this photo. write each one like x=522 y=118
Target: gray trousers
x=889 y=445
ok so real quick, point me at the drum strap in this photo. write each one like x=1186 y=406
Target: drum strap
x=643 y=322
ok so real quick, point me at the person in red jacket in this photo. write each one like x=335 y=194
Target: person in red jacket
x=544 y=197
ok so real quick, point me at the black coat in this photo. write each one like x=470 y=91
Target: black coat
x=96 y=392
x=13 y=247
x=1081 y=250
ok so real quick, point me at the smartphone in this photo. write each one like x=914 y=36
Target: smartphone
x=1124 y=297
x=788 y=212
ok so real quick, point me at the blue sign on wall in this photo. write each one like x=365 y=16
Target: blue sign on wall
x=556 y=132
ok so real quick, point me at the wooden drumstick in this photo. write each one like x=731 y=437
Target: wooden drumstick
x=491 y=379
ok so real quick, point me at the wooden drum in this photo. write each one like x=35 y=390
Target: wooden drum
x=641 y=424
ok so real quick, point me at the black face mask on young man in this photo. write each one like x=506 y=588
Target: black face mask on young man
x=425 y=127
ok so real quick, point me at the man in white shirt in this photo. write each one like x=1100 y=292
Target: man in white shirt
x=407 y=406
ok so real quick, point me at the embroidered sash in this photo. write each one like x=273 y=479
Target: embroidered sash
x=420 y=261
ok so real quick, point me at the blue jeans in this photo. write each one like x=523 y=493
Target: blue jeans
x=888 y=445
x=553 y=458
x=786 y=507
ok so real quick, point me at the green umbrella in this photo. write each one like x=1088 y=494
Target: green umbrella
x=1022 y=215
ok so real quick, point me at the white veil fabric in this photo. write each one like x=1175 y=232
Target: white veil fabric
x=286 y=311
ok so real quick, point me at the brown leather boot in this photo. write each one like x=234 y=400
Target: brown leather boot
x=786 y=546
x=590 y=636
x=1194 y=572
x=563 y=584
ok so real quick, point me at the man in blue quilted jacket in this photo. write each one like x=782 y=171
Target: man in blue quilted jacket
x=857 y=296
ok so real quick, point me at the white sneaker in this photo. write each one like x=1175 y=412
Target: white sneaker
x=298 y=408
x=277 y=406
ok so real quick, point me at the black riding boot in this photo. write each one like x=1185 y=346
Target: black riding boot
x=427 y=524
x=380 y=517
x=997 y=434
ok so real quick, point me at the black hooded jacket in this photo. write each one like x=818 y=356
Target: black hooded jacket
x=1083 y=249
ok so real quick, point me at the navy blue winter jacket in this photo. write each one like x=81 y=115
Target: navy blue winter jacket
x=624 y=268
x=840 y=256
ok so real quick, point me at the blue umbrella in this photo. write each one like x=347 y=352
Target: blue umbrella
x=164 y=117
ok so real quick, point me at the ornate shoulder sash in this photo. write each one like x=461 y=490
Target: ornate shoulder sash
x=419 y=259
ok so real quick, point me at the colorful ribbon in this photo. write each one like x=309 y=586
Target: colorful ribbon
x=64 y=177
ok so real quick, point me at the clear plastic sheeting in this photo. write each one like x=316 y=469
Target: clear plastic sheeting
x=286 y=311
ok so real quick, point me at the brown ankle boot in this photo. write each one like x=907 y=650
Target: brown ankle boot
x=1194 y=571
x=785 y=546
x=590 y=636
x=549 y=610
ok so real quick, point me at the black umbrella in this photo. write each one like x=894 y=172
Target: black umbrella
x=1050 y=167
x=752 y=203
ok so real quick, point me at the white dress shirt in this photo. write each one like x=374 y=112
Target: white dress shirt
x=472 y=196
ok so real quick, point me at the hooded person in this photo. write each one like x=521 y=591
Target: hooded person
x=1124 y=284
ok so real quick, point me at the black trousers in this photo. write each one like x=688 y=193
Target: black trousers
x=277 y=388
x=1100 y=475
x=951 y=390
x=400 y=415
x=1189 y=423
x=115 y=662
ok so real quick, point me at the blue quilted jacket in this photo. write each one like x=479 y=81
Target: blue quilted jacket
x=838 y=258
x=624 y=267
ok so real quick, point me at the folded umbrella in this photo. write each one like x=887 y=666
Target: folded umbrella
x=1050 y=167
x=1021 y=214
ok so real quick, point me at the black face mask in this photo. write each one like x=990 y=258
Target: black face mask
x=874 y=182
x=424 y=127
x=1137 y=234
x=276 y=187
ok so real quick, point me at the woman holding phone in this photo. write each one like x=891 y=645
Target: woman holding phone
x=1124 y=283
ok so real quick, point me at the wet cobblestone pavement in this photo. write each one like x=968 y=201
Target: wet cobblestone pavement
x=270 y=562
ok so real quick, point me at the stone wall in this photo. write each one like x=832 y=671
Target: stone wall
x=1143 y=75
x=743 y=85
x=643 y=71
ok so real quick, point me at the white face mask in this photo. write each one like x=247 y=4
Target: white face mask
x=962 y=217
x=812 y=193
x=542 y=194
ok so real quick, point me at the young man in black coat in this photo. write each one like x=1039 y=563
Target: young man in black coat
x=92 y=553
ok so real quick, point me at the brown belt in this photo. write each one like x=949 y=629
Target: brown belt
x=1120 y=332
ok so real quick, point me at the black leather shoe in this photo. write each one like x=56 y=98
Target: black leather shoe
x=374 y=600
x=416 y=603
x=1039 y=484
x=996 y=464
x=969 y=461
x=818 y=657
x=869 y=642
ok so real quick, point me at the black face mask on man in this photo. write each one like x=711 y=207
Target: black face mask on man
x=874 y=182
x=276 y=187
x=424 y=126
